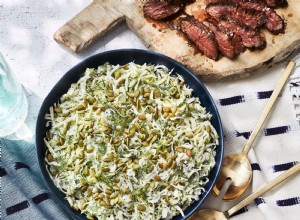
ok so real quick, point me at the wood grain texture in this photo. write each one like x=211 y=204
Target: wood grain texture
x=101 y=15
x=90 y=24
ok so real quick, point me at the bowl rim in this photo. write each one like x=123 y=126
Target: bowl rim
x=39 y=137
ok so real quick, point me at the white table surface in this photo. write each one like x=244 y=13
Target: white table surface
x=26 y=42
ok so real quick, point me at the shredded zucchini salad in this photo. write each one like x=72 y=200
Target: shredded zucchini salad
x=130 y=142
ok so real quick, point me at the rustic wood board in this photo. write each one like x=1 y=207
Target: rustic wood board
x=102 y=15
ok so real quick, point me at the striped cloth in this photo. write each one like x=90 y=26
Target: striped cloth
x=277 y=148
x=24 y=195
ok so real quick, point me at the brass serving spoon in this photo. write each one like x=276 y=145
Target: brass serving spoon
x=237 y=167
x=211 y=214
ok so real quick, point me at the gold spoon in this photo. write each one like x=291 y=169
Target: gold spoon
x=210 y=214
x=237 y=167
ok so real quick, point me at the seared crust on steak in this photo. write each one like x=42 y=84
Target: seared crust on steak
x=226 y=41
x=276 y=3
x=269 y=3
x=201 y=36
x=251 y=38
x=251 y=18
x=275 y=24
x=237 y=42
x=161 y=10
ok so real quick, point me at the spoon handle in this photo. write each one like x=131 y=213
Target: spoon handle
x=280 y=84
x=264 y=189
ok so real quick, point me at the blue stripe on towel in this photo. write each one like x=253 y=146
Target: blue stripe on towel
x=288 y=202
x=266 y=132
x=40 y=198
x=18 y=207
x=2 y=171
x=232 y=100
x=259 y=201
x=284 y=166
x=277 y=130
x=241 y=211
x=244 y=134
x=255 y=166
x=20 y=165
x=264 y=94
x=277 y=167
x=295 y=84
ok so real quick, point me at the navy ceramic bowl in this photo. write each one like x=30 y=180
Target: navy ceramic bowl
x=122 y=57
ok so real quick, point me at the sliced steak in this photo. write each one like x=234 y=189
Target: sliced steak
x=224 y=39
x=251 y=38
x=271 y=3
x=236 y=39
x=158 y=10
x=237 y=42
x=251 y=18
x=275 y=24
x=277 y=3
x=201 y=36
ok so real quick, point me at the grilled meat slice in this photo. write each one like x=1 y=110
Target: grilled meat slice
x=251 y=18
x=277 y=3
x=201 y=36
x=225 y=40
x=158 y=10
x=269 y=3
x=236 y=39
x=275 y=24
x=251 y=38
x=237 y=42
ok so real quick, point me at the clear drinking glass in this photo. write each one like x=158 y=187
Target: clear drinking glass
x=13 y=102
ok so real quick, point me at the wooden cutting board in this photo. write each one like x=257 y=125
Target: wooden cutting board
x=102 y=15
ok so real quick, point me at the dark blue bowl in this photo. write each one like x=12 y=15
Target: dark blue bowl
x=123 y=57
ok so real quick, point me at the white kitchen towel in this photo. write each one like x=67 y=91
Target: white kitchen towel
x=277 y=147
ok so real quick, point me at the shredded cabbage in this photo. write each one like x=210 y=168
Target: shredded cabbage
x=130 y=142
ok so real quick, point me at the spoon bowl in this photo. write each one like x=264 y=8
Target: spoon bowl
x=208 y=214
x=238 y=169
x=211 y=214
